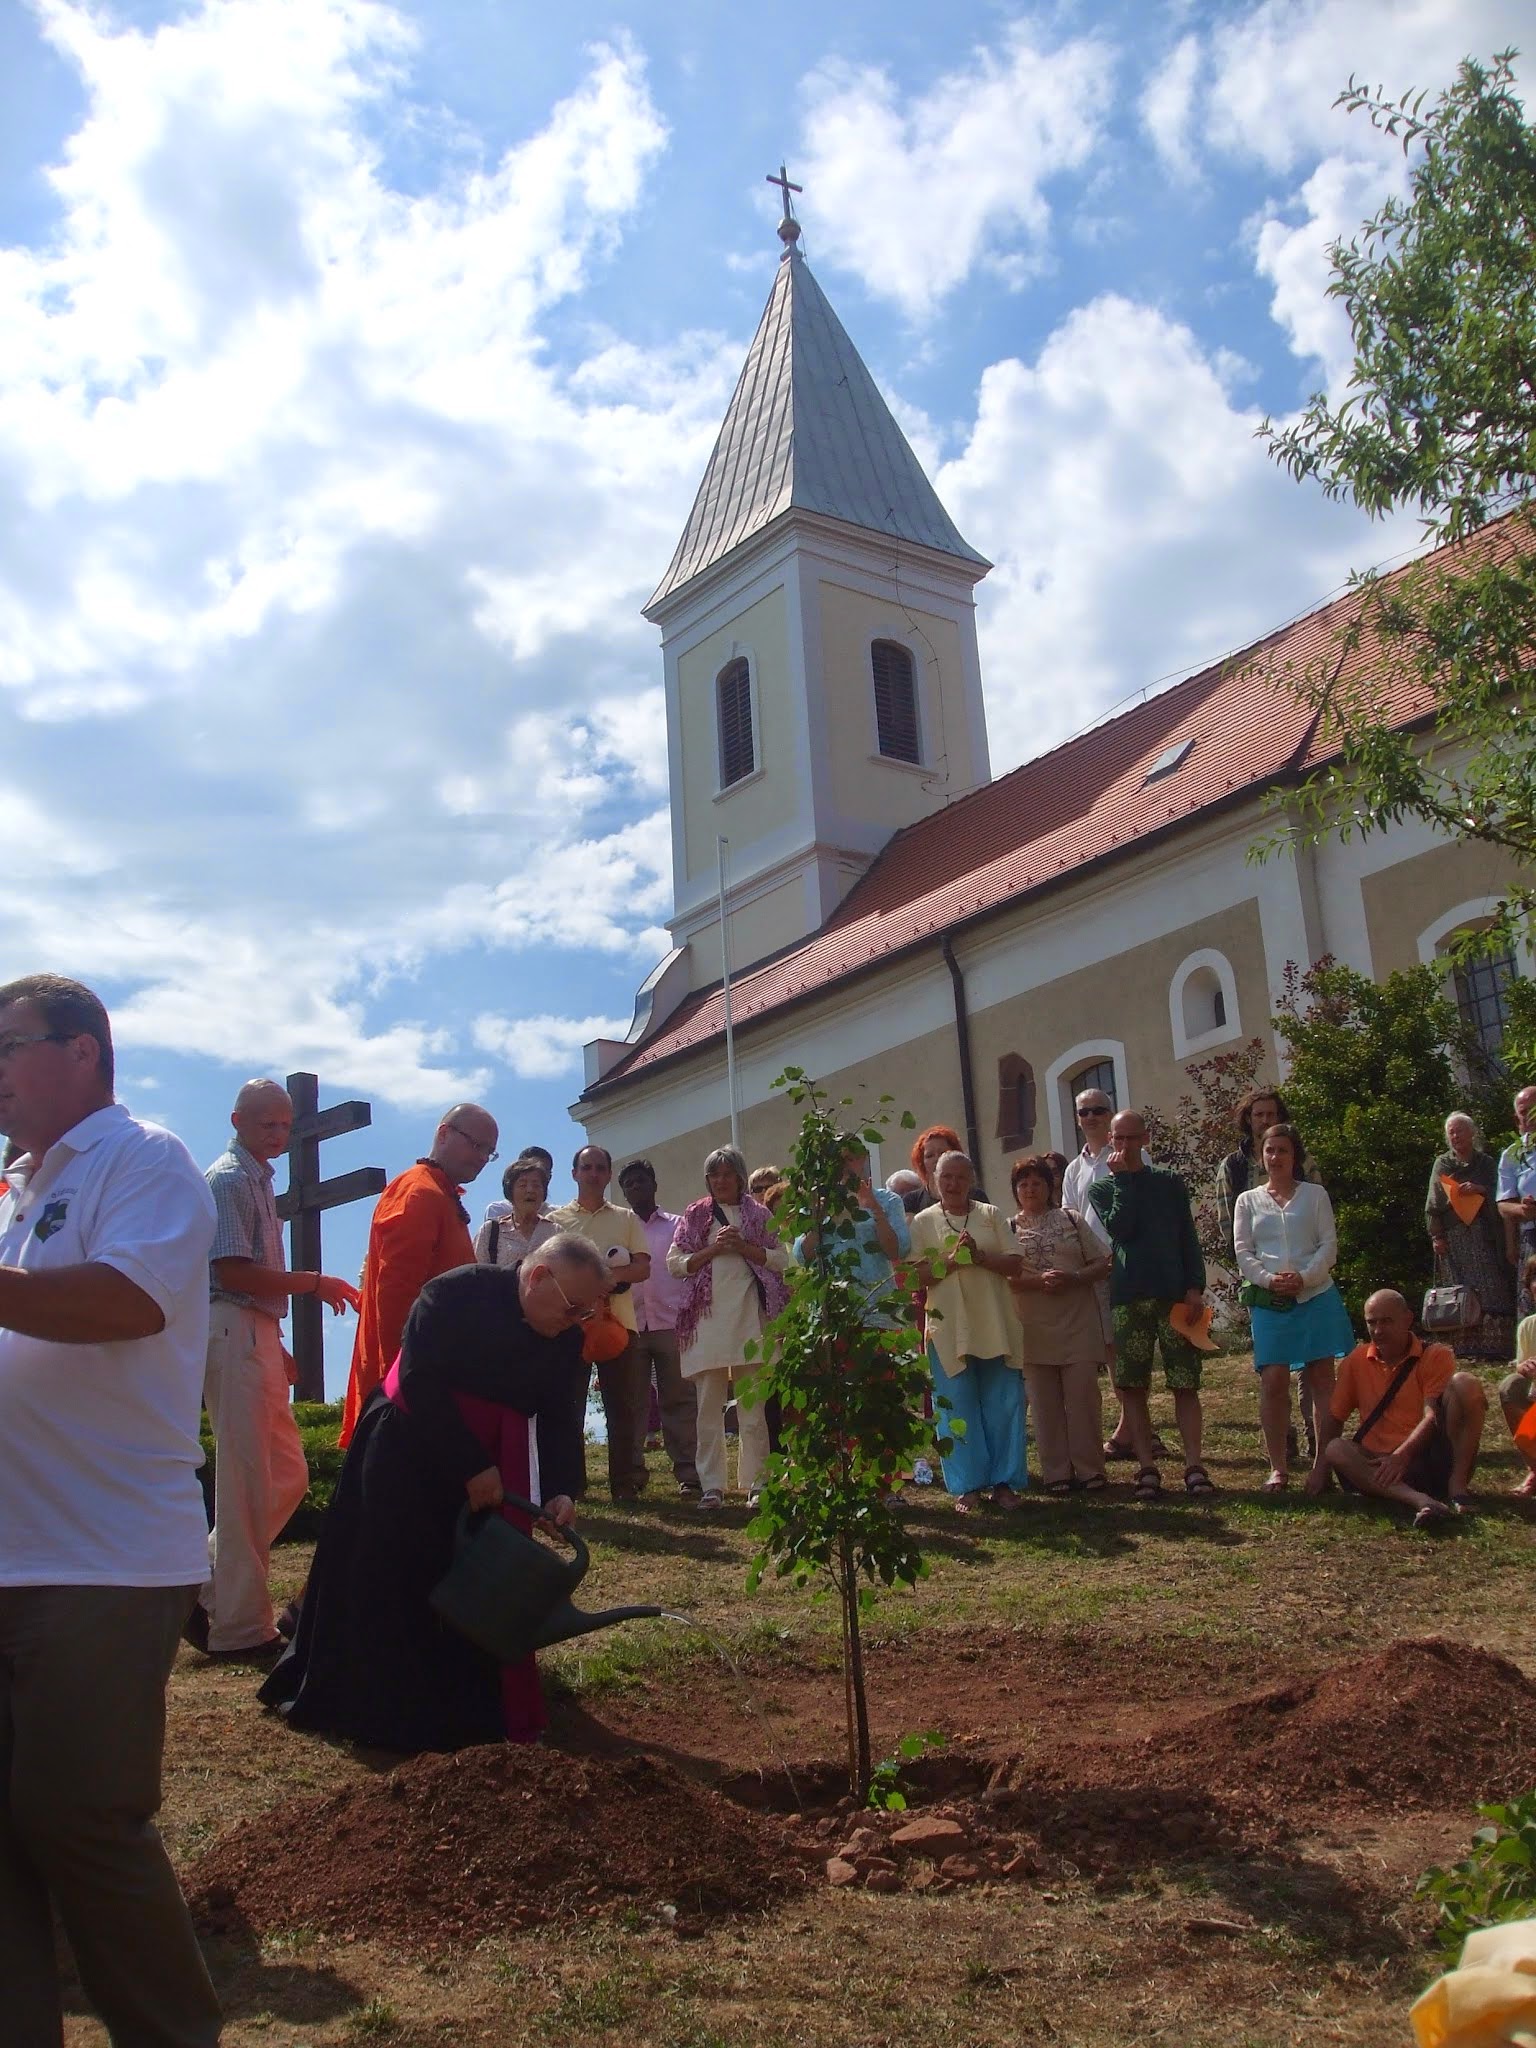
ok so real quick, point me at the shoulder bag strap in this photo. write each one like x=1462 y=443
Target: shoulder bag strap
x=1398 y=1382
x=494 y=1240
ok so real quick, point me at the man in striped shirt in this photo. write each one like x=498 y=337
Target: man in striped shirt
x=260 y=1476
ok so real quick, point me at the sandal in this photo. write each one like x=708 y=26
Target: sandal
x=1277 y=1482
x=966 y=1503
x=1148 y=1484
x=1433 y=1513
x=1198 y=1481
x=1095 y=1483
x=1059 y=1489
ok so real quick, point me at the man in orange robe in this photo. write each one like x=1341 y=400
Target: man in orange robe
x=420 y=1229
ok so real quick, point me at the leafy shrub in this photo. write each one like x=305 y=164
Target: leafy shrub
x=319 y=1424
x=1495 y=1882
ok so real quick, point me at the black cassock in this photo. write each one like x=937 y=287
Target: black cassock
x=370 y=1659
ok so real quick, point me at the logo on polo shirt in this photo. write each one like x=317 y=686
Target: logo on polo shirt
x=51 y=1221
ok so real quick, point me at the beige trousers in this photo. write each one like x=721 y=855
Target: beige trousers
x=1068 y=1421
x=713 y=1389
x=259 y=1476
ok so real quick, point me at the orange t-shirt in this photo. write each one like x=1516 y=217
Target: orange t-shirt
x=1363 y=1379
x=418 y=1231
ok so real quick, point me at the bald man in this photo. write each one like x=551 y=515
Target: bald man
x=420 y=1229
x=1421 y=1419
x=260 y=1476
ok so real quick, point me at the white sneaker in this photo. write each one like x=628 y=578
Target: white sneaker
x=922 y=1472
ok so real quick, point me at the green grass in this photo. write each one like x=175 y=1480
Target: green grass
x=1314 y=1576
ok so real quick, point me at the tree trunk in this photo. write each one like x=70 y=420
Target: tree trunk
x=859 y=1767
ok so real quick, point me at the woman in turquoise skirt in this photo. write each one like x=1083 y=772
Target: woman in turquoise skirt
x=1284 y=1236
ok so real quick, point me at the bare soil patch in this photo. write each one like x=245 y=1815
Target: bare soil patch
x=449 y=1850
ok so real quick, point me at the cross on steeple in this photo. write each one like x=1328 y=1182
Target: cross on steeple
x=789 y=227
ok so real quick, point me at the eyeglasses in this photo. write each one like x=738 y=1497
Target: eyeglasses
x=489 y=1152
x=577 y=1315
x=11 y=1045
x=1091 y=1109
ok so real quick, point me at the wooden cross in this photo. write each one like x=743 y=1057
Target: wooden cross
x=785 y=188
x=300 y=1208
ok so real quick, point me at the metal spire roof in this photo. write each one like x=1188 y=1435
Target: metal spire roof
x=807 y=430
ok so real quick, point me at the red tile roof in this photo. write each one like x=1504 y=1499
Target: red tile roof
x=1043 y=823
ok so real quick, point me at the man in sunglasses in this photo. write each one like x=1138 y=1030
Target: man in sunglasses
x=106 y=1225
x=420 y=1228
x=1094 y=1110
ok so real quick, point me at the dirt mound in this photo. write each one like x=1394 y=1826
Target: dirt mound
x=1423 y=1723
x=448 y=1850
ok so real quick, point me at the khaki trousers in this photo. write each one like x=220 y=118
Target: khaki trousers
x=657 y=1351
x=82 y=1728
x=623 y=1383
x=259 y=1477
x=1068 y=1420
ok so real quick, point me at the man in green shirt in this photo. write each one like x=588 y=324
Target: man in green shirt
x=1157 y=1266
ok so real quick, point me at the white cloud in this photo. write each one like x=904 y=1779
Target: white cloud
x=1155 y=535
x=913 y=195
x=297 y=490
x=543 y=1048
x=1167 y=103
x=1293 y=254
x=1270 y=75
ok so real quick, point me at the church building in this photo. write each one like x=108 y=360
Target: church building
x=897 y=921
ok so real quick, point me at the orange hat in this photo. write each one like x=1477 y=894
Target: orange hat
x=1195 y=1324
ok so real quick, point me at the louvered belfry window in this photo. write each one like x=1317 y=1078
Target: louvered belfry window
x=895 y=701
x=733 y=697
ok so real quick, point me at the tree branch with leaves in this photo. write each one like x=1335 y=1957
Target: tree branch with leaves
x=1439 y=416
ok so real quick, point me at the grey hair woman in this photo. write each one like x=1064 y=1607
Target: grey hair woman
x=975 y=1346
x=726 y=1248
x=1466 y=1231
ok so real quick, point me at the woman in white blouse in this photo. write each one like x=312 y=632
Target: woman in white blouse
x=1284 y=1236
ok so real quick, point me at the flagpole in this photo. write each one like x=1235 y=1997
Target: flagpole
x=721 y=846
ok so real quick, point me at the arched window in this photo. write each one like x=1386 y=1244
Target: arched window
x=1100 y=1075
x=1015 y=1102
x=895 y=701
x=1202 y=1002
x=1480 y=986
x=733 y=705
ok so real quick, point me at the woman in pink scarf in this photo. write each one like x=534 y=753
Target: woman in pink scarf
x=725 y=1248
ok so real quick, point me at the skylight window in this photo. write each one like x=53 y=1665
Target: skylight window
x=1171 y=758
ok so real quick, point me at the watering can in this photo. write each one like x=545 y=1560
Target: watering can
x=512 y=1595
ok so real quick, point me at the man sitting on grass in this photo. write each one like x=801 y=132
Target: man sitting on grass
x=1421 y=1419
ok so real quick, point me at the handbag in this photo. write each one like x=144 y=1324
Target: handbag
x=1252 y=1295
x=1448 y=1305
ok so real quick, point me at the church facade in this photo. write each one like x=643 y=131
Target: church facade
x=899 y=923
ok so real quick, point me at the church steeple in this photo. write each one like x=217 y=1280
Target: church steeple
x=818 y=625
x=808 y=431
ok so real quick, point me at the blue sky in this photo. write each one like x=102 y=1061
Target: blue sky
x=357 y=367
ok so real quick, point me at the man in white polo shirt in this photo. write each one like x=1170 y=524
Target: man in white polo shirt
x=105 y=1230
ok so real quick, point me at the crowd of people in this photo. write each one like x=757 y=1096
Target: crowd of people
x=135 y=1289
